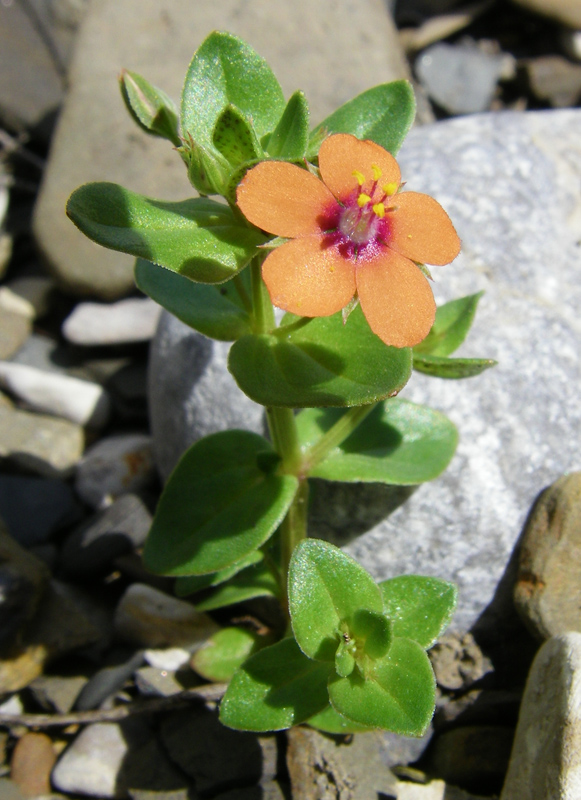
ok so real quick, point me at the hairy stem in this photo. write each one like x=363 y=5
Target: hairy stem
x=343 y=428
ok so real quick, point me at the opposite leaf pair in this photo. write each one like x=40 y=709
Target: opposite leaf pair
x=358 y=658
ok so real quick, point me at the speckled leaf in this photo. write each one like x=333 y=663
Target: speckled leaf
x=419 y=607
x=215 y=311
x=319 y=364
x=235 y=138
x=225 y=651
x=383 y=114
x=398 y=696
x=222 y=501
x=276 y=688
x=198 y=238
x=441 y=367
x=290 y=138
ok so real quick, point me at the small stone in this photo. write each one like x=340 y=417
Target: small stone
x=9 y=790
x=218 y=758
x=12 y=706
x=555 y=79
x=23 y=579
x=28 y=296
x=117 y=530
x=434 y=790
x=114 y=466
x=149 y=618
x=460 y=78
x=106 y=682
x=14 y=331
x=565 y=11
x=5 y=256
x=458 y=661
x=35 y=508
x=155 y=682
x=545 y=758
x=473 y=757
x=170 y=658
x=548 y=592
x=85 y=403
x=571 y=42
x=56 y=694
x=32 y=761
x=321 y=766
x=131 y=320
x=59 y=626
x=108 y=760
x=47 y=446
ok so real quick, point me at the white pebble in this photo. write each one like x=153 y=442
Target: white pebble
x=132 y=320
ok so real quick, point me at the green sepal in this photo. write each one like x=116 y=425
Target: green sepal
x=398 y=443
x=219 y=657
x=225 y=70
x=276 y=688
x=452 y=323
x=319 y=364
x=150 y=107
x=208 y=170
x=419 y=607
x=290 y=138
x=330 y=721
x=254 y=581
x=383 y=114
x=235 y=138
x=451 y=368
x=344 y=660
x=216 y=311
x=217 y=506
x=327 y=589
x=189 y=584
x=397 y=695
x=198 y=238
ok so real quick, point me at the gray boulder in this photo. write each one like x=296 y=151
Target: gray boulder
x=510 y=183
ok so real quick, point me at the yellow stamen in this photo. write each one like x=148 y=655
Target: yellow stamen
x=363 y=199
x=379 y=210
x=376 y=172
x=360 y=177
x=390 y=188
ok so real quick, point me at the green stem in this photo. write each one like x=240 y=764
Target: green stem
x=343 y=428
x=263 y=310
x=293 y=530
x=284 y=330
x=242 y=293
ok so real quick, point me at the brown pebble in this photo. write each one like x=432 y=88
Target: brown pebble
x=32 y=762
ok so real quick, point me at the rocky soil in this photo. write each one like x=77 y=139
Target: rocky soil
x=100 y=393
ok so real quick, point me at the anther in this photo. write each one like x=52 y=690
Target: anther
x=376 y=172
x=363 y=199
x=379 y=210
x=390 y=188
x=360 y=177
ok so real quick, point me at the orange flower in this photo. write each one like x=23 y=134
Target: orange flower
x=351 y=232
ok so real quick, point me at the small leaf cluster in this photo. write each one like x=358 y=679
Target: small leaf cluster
x=357 y=659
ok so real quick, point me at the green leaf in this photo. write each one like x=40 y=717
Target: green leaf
x=383 y=114
x=330 y=721
x=398 y=696
x=235 y=138
x=419 y=607
x=276 y=688
x=319 y=364
x=290 y=138
x=441 y=367
x=150 y=107
x=217 y=506
x=327 y=589
x=452 y=323
x=227 y=71
x=225 y=651
x=198 y=238
x=215 y=311
x=254 y=581
x=398 y=443
x=188 y=584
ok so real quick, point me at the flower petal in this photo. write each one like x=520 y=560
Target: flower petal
x=421 y=230
x=396 y=299
x=283 y=199
x=309 y=278
x=342 y=154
